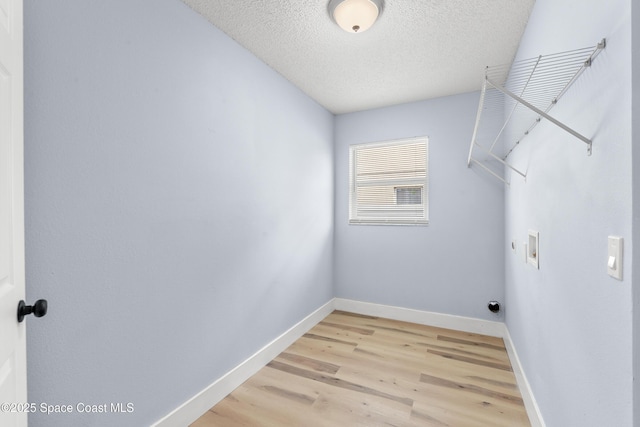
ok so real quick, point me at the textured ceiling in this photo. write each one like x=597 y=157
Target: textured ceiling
x=417 y=49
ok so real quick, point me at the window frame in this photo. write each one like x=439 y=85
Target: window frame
x=409 y=182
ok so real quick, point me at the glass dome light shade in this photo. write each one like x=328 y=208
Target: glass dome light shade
x=356 y=16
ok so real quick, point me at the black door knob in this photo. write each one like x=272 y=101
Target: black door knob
x=38 y=309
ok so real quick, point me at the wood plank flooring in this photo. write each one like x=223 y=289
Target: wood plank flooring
x=354 y=370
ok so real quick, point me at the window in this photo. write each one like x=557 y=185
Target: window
x=408 y=195
x=388 y=182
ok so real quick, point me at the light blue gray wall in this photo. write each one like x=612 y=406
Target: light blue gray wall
x=179 y=204
x=454 y=265
x=635 y=84
x=571 y=322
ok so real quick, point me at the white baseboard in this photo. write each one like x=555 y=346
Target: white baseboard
x=460 y=323
x=195 y=407
x=533 y=411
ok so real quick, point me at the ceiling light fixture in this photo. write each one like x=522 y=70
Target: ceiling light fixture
x=355 y=16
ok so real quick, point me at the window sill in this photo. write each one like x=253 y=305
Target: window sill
x=411 y=224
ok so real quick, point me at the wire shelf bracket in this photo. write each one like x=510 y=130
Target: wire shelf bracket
x=514 y=99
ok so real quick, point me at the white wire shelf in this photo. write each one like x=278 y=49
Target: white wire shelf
x=514 y=99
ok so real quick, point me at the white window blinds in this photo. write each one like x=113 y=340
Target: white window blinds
x=388 y=182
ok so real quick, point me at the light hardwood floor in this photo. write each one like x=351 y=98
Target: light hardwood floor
x=354 y=370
